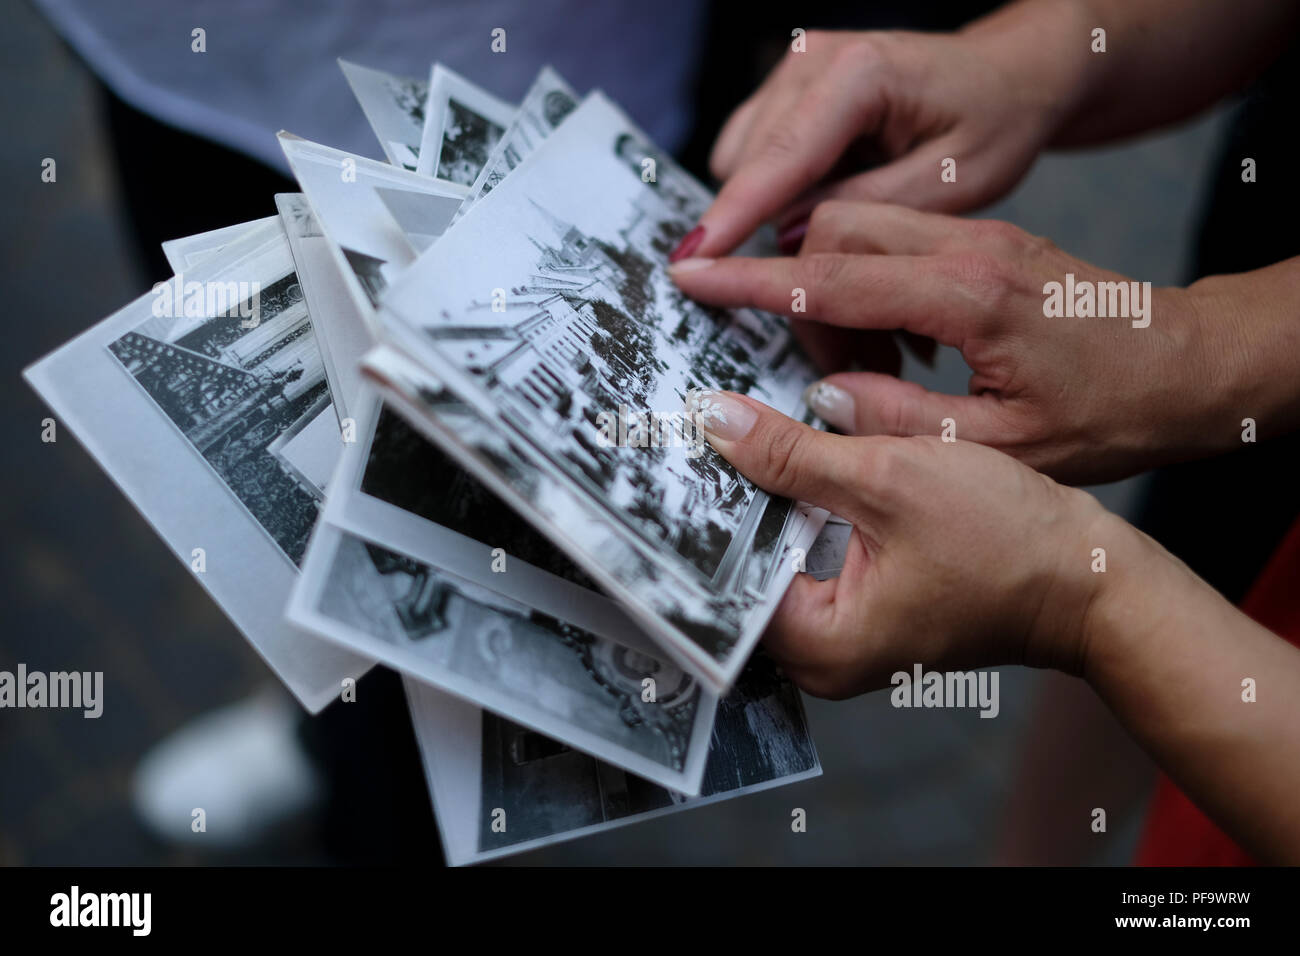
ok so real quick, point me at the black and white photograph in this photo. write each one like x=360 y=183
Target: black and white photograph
x=341 y=328
x=502 y=789
x=344 y=193
x=233 y=390
x=417 y=565
x=545 y=106
x=462 y=124
x=188 y=251
x=565 y=337
x=556 y=508
x=394 y=106
x=195 y=417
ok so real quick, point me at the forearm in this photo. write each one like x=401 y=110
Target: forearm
x=1249 y=354
x=1218 y=368
x=1170 y=657
x=1164 y=60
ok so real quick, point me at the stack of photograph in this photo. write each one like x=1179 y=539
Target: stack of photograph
x=436 y=415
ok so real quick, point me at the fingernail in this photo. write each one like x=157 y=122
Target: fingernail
x=690 y=242
x=688 y=265
x=832 y=404
x=720 y=414
x=790 y=238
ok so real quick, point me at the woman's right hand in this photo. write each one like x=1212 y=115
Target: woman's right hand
x=907 y=100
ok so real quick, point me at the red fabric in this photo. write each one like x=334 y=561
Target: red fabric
x=1177 y=833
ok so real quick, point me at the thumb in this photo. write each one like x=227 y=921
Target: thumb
x=780 y=455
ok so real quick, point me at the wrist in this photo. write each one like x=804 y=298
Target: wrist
x=1095 y=557
x=1248 y=356
x=1042 y=46
x=1140 y=610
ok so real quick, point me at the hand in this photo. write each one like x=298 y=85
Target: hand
x=1081 y=399
x=963 y=558
x=908 y=101
x=960 y=556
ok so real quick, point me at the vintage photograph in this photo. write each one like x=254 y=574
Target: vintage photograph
x=394 y=106
x=212 y=430
x=344 y=193
x=233 y=391
x=518 y=790
x=499 y=653
x=409 y=472
x=462 y=124
x=188 y=251
x=685 y=625
x=582 y=321
x=342 y=332
x=546 y=104
x=417 y=566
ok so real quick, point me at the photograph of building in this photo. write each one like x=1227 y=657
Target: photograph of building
x=760 y=735
x=232 y=391
x=473 y=639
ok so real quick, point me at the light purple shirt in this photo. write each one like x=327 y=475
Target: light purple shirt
x=271 y=64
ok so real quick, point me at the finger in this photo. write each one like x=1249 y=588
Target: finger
x=819 y=625
x=800 y=620
x=795 y=148
x=868 y=403
x=785 y=82
x=915 y=180
x=838 y=225
x=834 y=348
x=782 y=456
x=727 y=148
x=868 y=292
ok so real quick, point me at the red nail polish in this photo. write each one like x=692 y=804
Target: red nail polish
x=690 y=242
x=790 y=238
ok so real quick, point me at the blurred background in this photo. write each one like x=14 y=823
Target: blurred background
x=88 y=586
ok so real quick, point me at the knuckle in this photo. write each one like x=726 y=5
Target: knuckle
x=996 y=232
x=821 y=271
x=824 y=218
x=782 y=141
x=863 y=53
x=717 y=169
x=1008 y=238
x=1036 y=246
x=985 y=278
x=829 y=219
x=880 y=466
x=784 y=459
x=893 y=412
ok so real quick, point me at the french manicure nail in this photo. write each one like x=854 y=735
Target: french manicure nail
x=690 y=242
x=832 y=404
x=720 y=414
